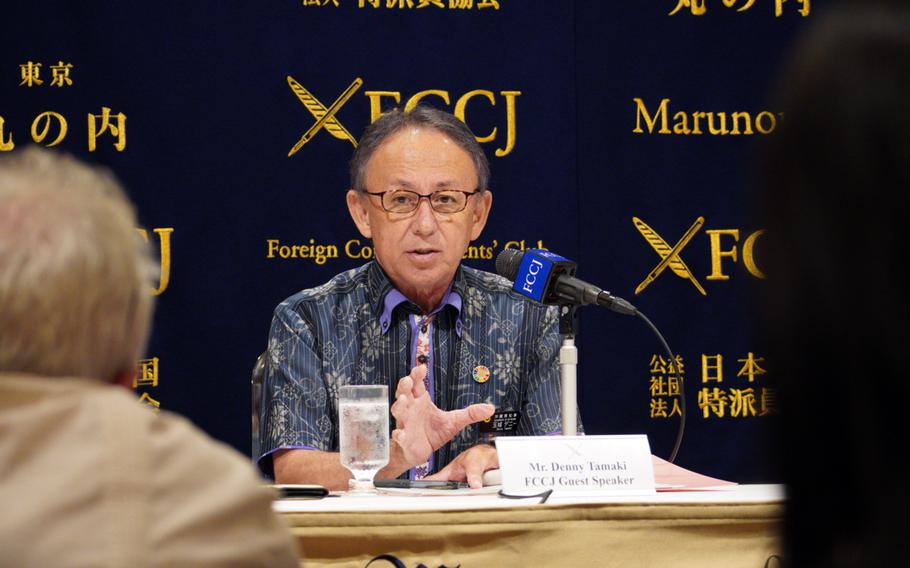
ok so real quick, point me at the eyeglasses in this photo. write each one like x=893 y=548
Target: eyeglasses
x=442 y=201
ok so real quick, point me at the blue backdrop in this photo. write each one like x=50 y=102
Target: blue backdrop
x=593 y=114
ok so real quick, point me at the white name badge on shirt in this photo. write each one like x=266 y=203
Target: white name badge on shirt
x=591 y=465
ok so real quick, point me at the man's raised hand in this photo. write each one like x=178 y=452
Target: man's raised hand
x=420 y=426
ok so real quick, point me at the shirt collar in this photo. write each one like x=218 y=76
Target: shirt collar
x=385 y=297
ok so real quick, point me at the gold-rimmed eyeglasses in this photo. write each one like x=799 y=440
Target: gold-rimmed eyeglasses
x=441 y=201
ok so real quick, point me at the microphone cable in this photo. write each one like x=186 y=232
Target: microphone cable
x=682 y=390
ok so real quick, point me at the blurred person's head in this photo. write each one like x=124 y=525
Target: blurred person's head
x=75 y=275
x=836 y=183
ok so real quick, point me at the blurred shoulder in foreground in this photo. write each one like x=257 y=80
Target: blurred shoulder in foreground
x=90 y=476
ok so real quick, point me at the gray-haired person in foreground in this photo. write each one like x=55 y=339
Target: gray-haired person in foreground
x=90 y=477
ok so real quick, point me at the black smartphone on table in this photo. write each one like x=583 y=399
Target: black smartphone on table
x=418 y=484
x=301 y=491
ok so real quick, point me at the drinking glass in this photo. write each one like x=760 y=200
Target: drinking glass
x=363 y=419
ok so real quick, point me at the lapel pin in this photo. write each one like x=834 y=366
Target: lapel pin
x=481 y=374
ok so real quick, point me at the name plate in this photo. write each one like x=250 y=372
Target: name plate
x=582 y=465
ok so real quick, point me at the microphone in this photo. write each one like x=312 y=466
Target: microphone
x=549 y=278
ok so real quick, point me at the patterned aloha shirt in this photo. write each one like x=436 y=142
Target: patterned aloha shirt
x=351 y=331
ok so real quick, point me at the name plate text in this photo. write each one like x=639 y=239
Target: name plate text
x=595 y=465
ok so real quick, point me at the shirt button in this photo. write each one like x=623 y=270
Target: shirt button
x=422 y=359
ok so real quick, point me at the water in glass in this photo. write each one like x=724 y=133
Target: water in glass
x=363 y=418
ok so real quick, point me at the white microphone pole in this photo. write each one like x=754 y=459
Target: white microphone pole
x=568 y=373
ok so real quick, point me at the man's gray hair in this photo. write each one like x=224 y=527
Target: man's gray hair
x=75 y=275
x=424 y=117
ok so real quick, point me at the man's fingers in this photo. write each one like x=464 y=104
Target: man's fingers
x=400 y=437
x=477 y=461
x=405 y=384
x=479 y=412
x=472 y=414
x=399 y=408
x=444 y=474
x=468 y=466
x=418 y=374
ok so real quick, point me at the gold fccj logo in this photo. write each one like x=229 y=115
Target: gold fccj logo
x=327 y=116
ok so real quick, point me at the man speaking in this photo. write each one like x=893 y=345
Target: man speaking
x=452 y=343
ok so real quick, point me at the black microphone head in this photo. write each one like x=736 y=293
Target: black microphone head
x=507 y=263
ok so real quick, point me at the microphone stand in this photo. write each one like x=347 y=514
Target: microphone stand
x=568 y=368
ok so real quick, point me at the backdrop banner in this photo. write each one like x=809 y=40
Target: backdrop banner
x=621 y=135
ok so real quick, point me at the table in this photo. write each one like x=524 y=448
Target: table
x=725 y=527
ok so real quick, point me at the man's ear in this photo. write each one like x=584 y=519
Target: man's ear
x=480 y=212
x=357 y=207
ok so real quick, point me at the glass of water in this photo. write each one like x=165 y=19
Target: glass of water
x=363 y=418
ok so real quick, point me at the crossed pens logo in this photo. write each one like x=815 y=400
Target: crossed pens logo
x=721 y=251
x=325 y=116
x=669 y=256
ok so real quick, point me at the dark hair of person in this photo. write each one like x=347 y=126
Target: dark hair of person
x=424 y=117
x=836 y=177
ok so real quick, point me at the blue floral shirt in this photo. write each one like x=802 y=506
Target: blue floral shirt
x=341 y=333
